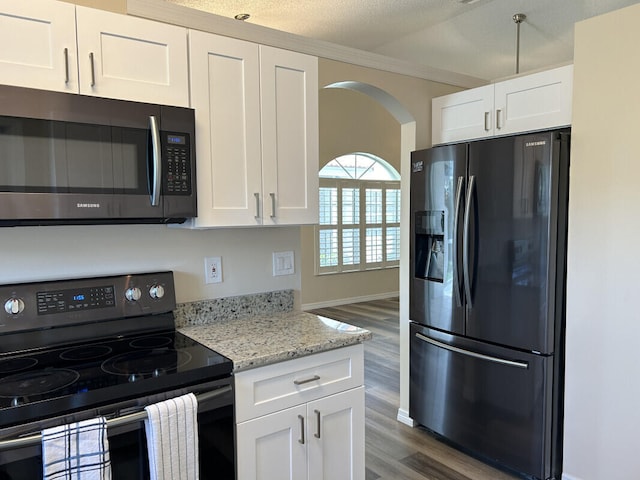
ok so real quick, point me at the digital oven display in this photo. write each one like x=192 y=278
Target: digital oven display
x=61 y=301
x=176 y=139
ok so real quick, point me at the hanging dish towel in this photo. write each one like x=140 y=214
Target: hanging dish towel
x=78 y=451
x=172 y=438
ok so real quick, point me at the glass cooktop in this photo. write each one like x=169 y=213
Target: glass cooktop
x=46 y=382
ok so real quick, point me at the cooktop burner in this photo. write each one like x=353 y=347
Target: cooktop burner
x=11 y=365
x=37 y=382
x=86 y=352
x=146 y=362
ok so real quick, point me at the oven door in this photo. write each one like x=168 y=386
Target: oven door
x=127 y=440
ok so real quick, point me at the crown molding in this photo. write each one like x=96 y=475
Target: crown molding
x=196 y=19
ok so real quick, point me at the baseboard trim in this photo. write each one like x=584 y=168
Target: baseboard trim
x=345 y=301
x=403 y=417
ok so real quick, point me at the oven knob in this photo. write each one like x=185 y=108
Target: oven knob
x=14 y=306
x=156 y=291
x=133 y=294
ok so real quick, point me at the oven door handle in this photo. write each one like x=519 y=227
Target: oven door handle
x=36 y=439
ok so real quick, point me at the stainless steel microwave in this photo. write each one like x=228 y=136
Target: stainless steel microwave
x=76 y=159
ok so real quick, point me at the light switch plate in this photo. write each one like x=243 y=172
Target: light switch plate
x=283 y=263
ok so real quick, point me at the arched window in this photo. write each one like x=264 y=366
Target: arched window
x=359 y=227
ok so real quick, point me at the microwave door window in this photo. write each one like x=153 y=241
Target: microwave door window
x=130 y=160
x=89 y=165
x=31 y=159
x=62 y=157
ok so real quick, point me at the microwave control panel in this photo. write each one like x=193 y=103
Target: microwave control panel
x=177 y=180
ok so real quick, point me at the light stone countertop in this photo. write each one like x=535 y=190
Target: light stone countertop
x=263 y=339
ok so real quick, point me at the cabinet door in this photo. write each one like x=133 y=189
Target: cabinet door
x=289 y=93
x=273 y=446
x=463 y=116
x=131 y=58
x=336 y=436
x=39 y=45
x=534 y=102
x=225 y=93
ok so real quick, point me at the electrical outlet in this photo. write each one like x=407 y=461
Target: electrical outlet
x=213 y=270
x=283 y=263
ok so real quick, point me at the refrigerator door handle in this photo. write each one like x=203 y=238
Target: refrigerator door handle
x=465 y=242
x=456 y=221
x=480 y=356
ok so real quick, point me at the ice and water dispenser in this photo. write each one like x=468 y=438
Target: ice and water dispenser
x=429 y=245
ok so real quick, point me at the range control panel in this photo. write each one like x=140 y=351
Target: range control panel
x=75 y=299
x=28 y=306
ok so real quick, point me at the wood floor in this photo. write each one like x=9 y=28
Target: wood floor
x=395 y=451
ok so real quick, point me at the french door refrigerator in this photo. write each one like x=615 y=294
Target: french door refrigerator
x=488 y=245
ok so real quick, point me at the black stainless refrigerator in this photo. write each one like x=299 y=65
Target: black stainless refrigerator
x=487 y=288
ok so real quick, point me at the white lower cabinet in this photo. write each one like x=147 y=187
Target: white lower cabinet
x=319 y=435
x=320 y=440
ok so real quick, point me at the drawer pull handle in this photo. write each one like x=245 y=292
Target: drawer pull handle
x=317 y=434
x=307 y=380
x=301 y=439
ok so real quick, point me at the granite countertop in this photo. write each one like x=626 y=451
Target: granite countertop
x=263 y=339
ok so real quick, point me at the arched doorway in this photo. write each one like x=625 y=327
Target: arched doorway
x=406 y=144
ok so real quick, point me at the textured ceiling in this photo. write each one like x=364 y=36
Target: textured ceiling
x=476 y=38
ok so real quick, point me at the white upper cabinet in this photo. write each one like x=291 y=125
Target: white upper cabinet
x=290 y=164
x=54 y=45
x=257 y=133
x=132 y=58
x=225 y=92
x=534 y=102
x=38 y=39
x=530 y=102
x=464 y=115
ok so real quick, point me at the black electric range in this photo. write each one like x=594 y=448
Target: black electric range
x=71 y=345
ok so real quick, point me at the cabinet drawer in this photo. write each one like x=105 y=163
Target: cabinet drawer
x=270 y=388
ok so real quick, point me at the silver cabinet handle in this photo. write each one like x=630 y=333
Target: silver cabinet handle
x=66 y=65
x=273 y=205
x=93 y=70
x=498 y=119
x=301 y=440
x=257 y=195
x=155 y=176
x=468 y=353
x=465 y=242
x=307 y=380
x=317 y=434
x=487 y=117
x=454 y=247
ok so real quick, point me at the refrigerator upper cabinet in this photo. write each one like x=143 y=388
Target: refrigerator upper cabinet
x=437 y=199
x=513 y=205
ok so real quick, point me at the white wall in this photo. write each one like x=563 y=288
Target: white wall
x=602 y=408
x=39 y=253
